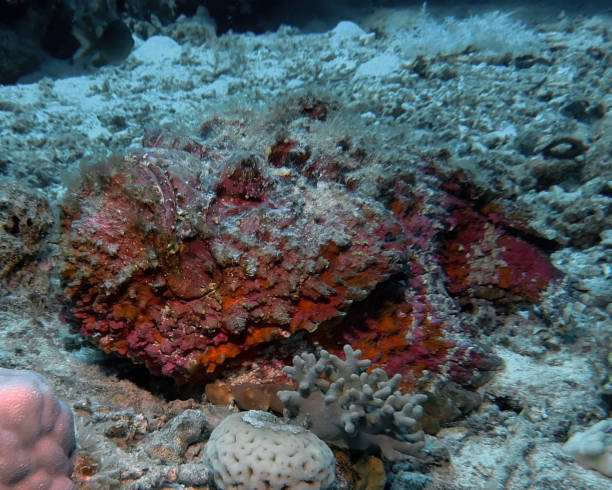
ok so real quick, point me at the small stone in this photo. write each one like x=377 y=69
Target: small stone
x=528 y=142
x=525 y=61
x=596 y=52
x=447 y=73
x=549 y=173
x=565 y=147
x=584 y=110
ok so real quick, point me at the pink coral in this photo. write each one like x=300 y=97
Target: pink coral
x=37 y=438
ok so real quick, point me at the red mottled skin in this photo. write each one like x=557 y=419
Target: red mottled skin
x=484 y=254
x=157 y=272
x=408 y=328
x=191 y=255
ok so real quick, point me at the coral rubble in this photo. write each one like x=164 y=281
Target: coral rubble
x=593 y=447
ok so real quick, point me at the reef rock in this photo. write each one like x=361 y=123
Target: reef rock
x=25 y=220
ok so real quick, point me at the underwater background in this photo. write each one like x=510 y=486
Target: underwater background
x=259 y=244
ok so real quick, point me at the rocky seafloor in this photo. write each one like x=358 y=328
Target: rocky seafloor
x=520 y=106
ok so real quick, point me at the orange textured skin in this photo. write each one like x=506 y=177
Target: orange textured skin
x=157 y=272
x=190 y=257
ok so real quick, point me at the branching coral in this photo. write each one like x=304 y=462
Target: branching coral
x=345 y=405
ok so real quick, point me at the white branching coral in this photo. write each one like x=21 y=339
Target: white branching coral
x=347 y=406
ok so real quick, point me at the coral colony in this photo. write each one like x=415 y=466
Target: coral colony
x=195 y=254
x=352 y=408
x=256 y=450
x=37 y=434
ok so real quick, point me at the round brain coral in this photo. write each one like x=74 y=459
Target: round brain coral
x=255 y=451
x=37 y=438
